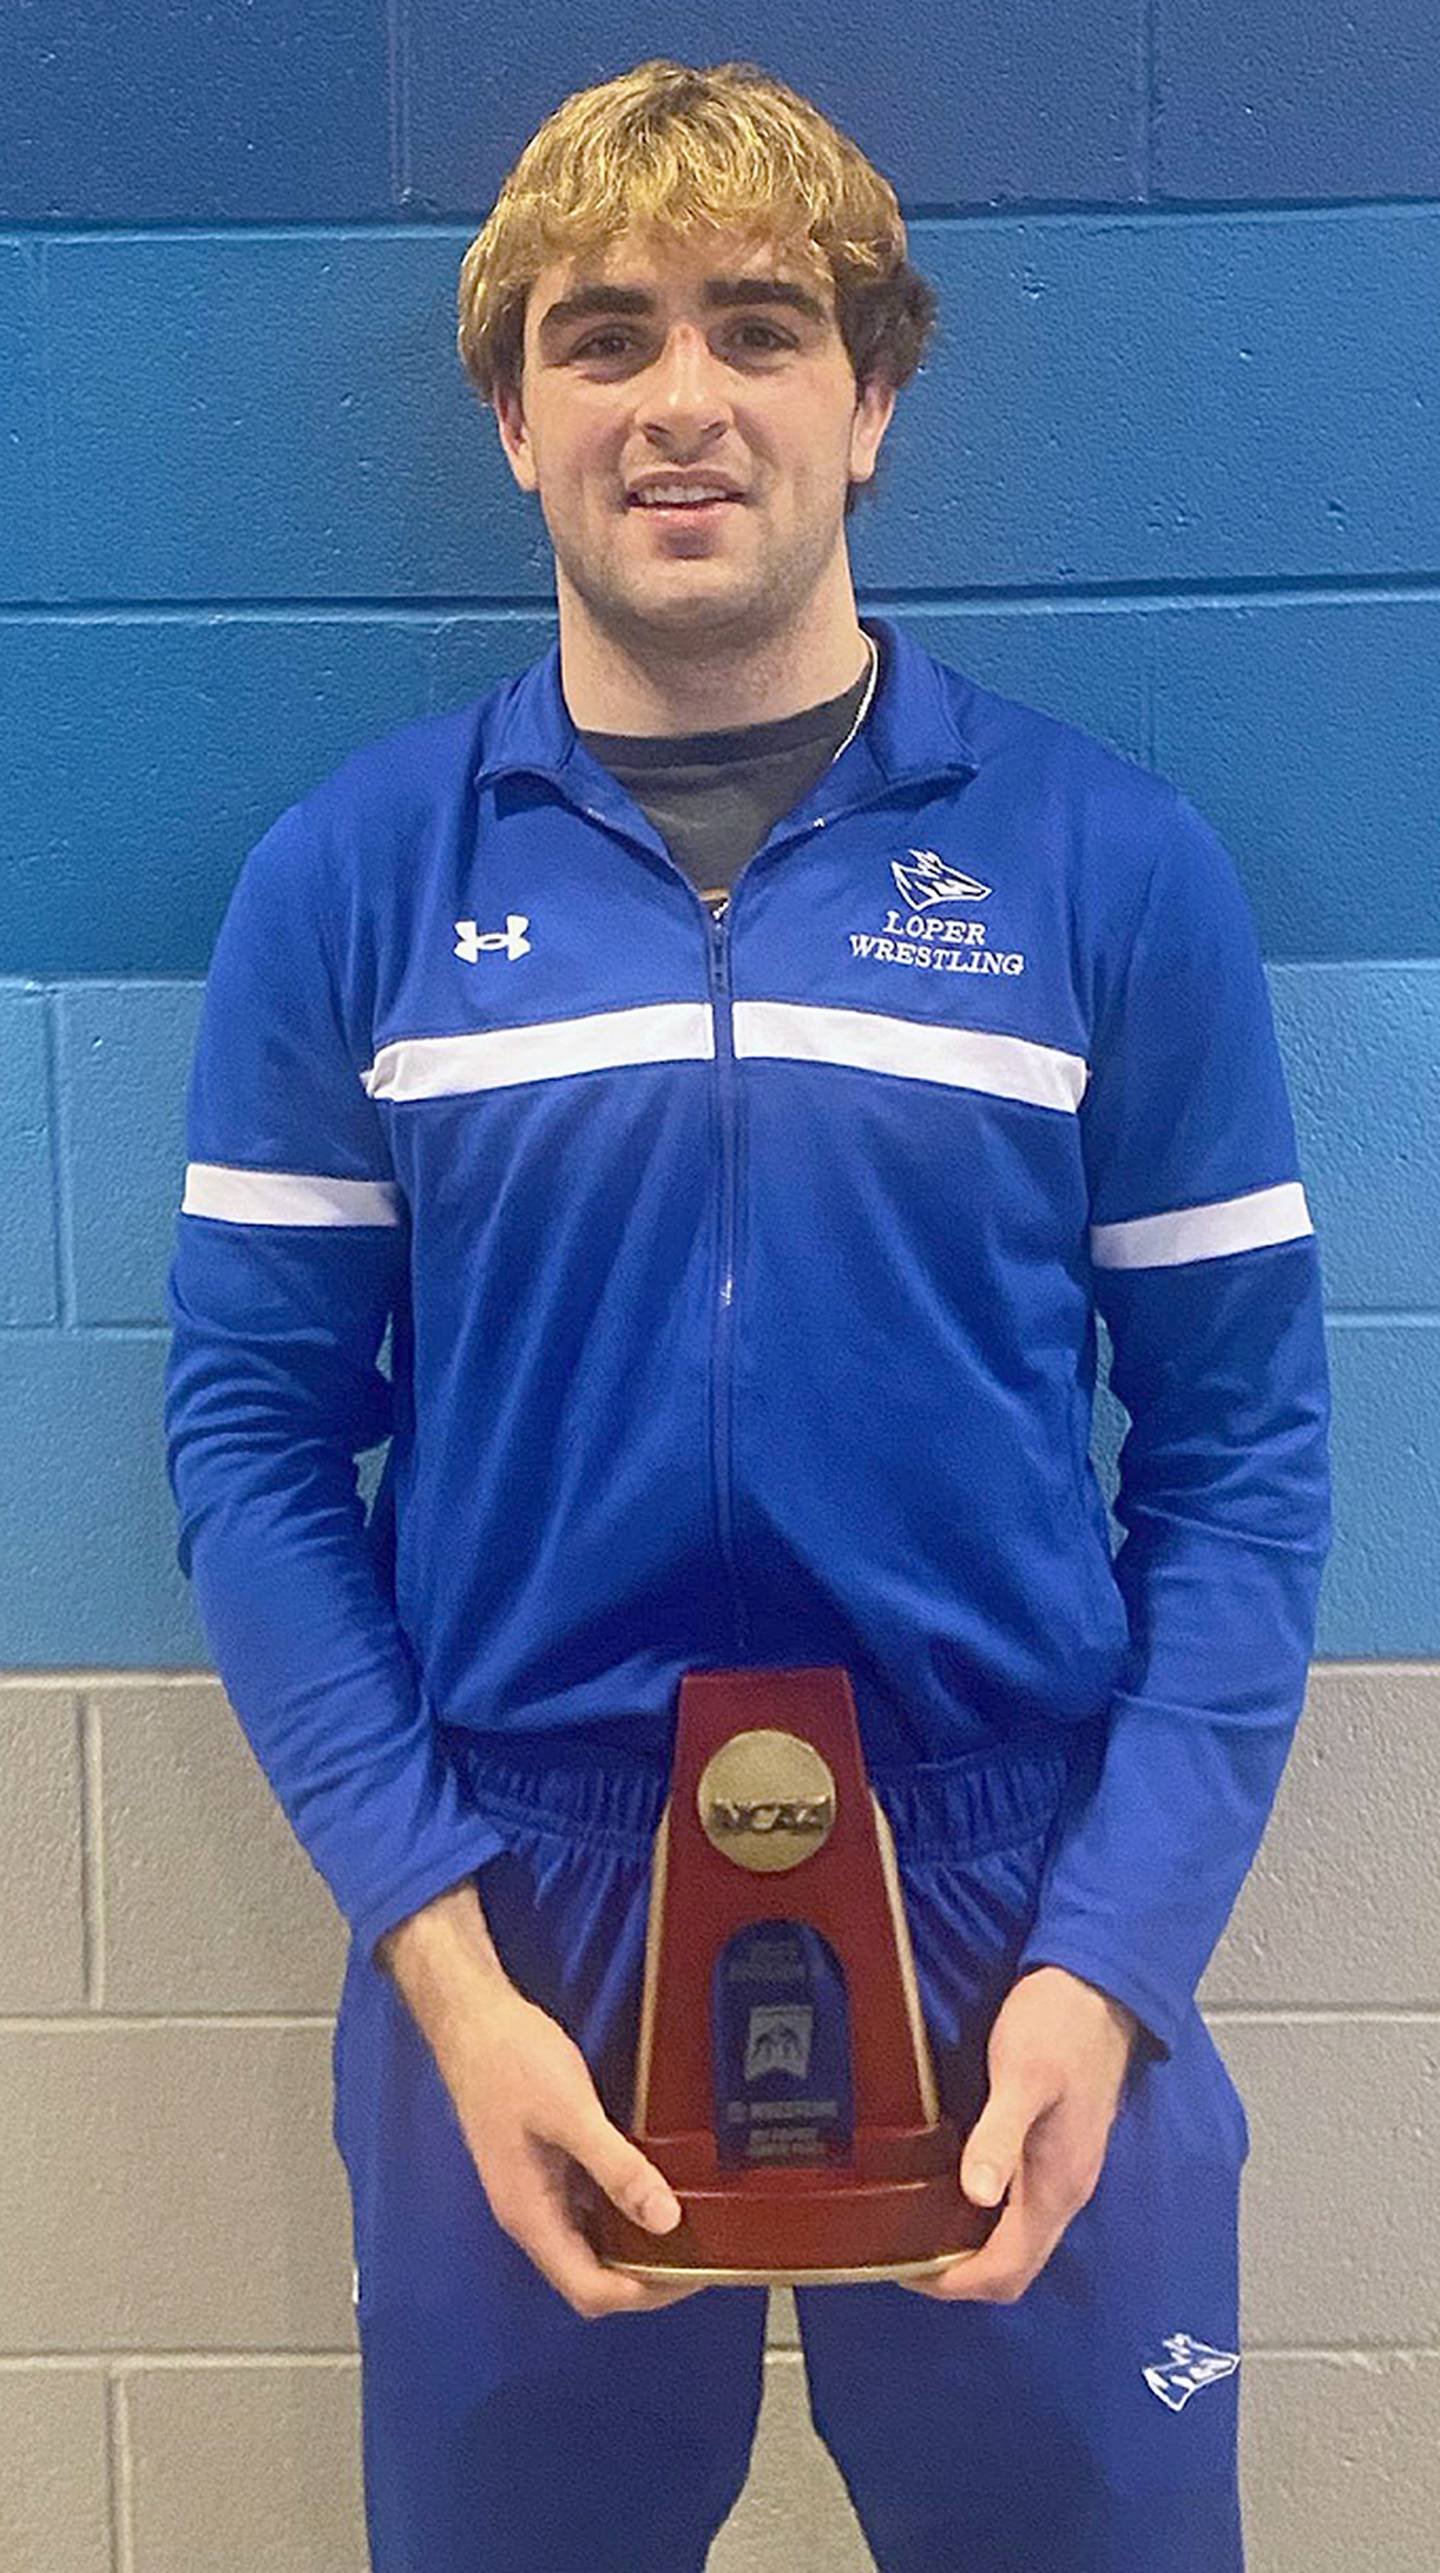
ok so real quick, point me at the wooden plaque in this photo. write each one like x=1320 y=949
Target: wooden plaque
x=784 y=2083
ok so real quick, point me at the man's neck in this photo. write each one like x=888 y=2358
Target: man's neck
x=608 y=690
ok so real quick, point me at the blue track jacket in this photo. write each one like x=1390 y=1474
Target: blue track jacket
x=742 y=1277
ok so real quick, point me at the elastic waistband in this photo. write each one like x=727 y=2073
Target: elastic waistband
x=596 y=1796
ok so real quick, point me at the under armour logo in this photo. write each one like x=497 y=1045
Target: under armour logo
x=1190 y=2365
x=512 y=938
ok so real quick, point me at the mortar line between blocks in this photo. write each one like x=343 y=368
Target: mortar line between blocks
x=59 y=1194
x=92 y=1852
x=124 y=2488
x=119 y=2365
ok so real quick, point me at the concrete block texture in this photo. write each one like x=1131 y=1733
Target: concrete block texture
x=223 y=499
x=25 y=519
x=210 y=1904
x=87 y=1521
x=170 y=2188
x=137 y=852
x=1304 y=729
x=175 y=114
x=1339 y=1909
x=1379 y=1592
x=1336 y=2472
x=1171 y=471
x=122 y=1053
x=235 y=2468
x=1340 y=2212
x=794 y=2510
x=1295 y=724
x=42 y=1840
x=203 y=1900
x=1337 y=2461
x=1015 y=103
x=117 y=1050
x=55 y=2485
x=1372 y=1178
x=1242 y=107
x=27 y=1267
x=1070 y=86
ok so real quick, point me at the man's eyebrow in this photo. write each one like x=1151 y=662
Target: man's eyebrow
x=601 y=298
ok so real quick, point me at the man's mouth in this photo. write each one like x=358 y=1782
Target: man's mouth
x=683 y=508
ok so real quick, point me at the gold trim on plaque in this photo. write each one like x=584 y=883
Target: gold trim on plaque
x=900 y=1919
x=640 y=2114
x=672 y=2277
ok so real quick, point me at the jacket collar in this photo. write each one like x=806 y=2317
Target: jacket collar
x=911 y=730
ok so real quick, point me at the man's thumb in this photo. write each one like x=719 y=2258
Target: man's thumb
x=639 y=2191
x=988 y=2162
x=651 y=2197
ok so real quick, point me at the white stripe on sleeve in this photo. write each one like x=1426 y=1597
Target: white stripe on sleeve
x=1228 y=1224
x=286 y=1196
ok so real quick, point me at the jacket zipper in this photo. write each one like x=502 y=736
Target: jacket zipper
x=717 y=957
x=720 y=1372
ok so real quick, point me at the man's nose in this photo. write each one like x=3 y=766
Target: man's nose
x=687 y=364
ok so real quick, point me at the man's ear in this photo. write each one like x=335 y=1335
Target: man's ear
x=874 y=408
x=514 y=436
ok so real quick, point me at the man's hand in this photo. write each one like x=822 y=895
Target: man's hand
x=526 y=2103
x=1057 y=2060
x=546 y=2151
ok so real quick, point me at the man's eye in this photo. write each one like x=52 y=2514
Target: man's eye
x=598 y=338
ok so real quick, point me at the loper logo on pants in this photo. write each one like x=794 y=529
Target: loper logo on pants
x=1189 y=2365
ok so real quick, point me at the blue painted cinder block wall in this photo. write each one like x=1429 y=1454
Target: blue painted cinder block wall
x=1172 y=471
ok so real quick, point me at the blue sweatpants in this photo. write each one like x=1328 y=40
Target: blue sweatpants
x=1089 y=2427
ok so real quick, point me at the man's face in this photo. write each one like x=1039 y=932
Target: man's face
x=679 y=371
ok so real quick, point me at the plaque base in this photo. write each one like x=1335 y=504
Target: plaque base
x=831 y=2219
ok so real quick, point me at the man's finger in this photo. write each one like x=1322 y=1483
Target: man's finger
x=554 y=2238
x=995 y=2146
x=1031 y=2224
x=986 y=2274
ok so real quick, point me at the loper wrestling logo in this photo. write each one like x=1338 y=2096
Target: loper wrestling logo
x=1189 y=2365
x=933 y=881
x=918 y=936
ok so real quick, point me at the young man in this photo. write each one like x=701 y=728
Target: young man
x=741 y=1055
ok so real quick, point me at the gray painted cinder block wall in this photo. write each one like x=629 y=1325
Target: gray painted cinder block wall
x=178 y=2367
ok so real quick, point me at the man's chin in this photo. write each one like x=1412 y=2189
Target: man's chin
x=693 y=607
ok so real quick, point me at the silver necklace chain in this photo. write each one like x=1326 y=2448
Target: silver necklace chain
x=864 y=708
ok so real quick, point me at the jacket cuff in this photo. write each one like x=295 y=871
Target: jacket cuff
x=484 y=1841
x=1159 y=2020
